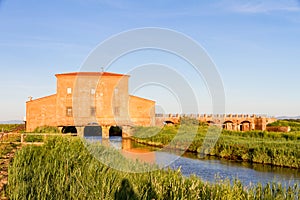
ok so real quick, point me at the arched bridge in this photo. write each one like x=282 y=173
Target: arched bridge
x=236 y=122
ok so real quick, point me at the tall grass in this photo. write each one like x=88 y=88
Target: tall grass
x=294 y=124
x=11 y=127
x=6 y=148
x=46 y=129
x=279 y=149
x=64 y=169
x=41 y=130
x=8 y=144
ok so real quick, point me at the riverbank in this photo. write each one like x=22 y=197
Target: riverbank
x=63 y=168
x=276 y=149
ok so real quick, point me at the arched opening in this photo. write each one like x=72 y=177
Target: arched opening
x=210 y=123
x=115 y=131
x=69 y=129
x=228 y=125
x=92 y=130
x=168 y=122
x=245 y=126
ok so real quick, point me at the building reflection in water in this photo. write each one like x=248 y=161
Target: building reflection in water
x=135 y=153
x=127 y=147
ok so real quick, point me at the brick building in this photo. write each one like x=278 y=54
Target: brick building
x=85 y=98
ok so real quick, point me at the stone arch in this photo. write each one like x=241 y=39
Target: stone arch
x=228 y=125
x=92 y=130
x=168 y=122
x=209 y=122
x=245 y=125
x=69 y=129
x=115 y=131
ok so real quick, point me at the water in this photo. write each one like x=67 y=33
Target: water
x=209 y=168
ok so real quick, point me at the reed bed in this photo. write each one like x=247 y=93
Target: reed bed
x=12 y=127
x=278 y=149
x=46 y=129
x=63 y=168
x=7 y=143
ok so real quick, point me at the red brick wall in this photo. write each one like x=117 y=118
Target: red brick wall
x=41 y=112
x=112 y=103
x=279 y=128
x=142 y=111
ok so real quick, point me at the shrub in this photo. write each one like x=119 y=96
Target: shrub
x=46 y=129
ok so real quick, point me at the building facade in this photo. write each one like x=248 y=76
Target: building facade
x=89 y=98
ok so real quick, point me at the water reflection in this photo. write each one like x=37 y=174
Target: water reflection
x=127 y=147
x=207 y=168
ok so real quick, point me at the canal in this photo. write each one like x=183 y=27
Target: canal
x=208 y=168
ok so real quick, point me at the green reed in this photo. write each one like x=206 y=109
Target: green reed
x=279 y=149
x=63 y=168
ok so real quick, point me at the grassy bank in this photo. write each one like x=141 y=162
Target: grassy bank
x=294 y=124
x=39 y=133
x=46 y=129
x=7 y=149
x=12 y=128
x=278 y=149
x=8 y=144
x=64 y=169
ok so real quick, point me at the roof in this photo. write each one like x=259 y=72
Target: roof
x=90 y=74
x=141 y=98
x=41 y=98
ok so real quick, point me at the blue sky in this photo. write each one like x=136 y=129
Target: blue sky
x=254 y=44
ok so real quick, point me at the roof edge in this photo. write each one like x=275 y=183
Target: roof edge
x=41 y=98
x=90 y=74
x=141 y=98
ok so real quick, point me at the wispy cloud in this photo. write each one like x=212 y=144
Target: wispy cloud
x=267 y=6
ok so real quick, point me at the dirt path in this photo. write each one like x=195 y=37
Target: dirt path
x=4 y=163
x=3 y=135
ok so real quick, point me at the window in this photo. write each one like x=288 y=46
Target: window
x=93 y=111
x=69 y=90
x=69 y=112
x=93 y=91
x=117 y=111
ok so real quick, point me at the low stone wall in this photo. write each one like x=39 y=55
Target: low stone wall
x=279 y=128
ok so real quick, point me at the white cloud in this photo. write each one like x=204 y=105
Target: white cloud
x=258 y=6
